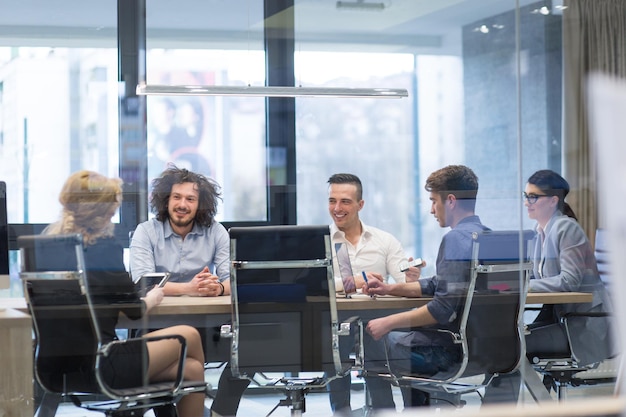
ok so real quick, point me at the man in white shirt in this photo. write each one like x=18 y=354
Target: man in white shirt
x=371 y=250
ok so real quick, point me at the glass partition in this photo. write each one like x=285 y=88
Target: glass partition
x=485 y=81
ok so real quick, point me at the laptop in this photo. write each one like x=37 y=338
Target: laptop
x=345 y=269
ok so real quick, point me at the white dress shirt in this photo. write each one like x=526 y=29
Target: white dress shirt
x=376 y=251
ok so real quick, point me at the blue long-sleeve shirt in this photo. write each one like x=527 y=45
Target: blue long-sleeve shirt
x=449 y=285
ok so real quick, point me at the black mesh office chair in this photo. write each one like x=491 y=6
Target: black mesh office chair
x=563 y=371
x=490 y=330
x=284 y=315
x=70 y=358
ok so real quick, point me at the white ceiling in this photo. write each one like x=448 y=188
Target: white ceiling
x=411 y=25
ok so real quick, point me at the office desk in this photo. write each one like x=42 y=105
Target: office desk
x=16 y=362
x=175 y=307
x=212 y=312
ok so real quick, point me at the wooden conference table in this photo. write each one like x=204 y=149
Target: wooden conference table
x=212 y=312
x=221 y=305
x=206 y=309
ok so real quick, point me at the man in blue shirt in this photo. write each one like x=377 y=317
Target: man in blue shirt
x=184 y=238
x=453 y=192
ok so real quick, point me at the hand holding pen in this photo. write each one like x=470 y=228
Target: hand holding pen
x=367 y=283
x=376 y=287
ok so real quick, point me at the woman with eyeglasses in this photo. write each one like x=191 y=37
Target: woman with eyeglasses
x=564 y=261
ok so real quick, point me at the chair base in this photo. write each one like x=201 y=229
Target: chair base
x=559 y=376
x=296 y=400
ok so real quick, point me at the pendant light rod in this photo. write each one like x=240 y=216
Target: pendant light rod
x=268 y=91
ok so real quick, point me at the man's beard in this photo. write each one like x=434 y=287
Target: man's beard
x=181 y=223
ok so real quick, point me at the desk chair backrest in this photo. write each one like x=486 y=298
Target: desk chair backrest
x=500 y=264
x=67 y=309
x=601 y=252
x=55 y=287
x=284 y=316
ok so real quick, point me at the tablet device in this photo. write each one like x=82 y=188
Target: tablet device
x=345 y=269
x=150 y=280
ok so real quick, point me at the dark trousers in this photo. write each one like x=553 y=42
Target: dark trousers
x=339 y=394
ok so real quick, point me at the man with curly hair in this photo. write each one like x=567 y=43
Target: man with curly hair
x=184 y=238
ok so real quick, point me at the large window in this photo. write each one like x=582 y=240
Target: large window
x=59 y=98
x=462 y=77
x=371 y=138
x=59 y=115
x=223 y=138
x=58 y=104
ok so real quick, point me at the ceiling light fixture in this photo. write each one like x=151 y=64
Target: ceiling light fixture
x=268 y=91
x=544 y=10
x=360 y=5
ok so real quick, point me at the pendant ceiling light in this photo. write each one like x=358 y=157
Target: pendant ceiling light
x=268 y=91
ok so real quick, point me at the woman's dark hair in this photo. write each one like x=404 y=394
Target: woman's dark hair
x=553 y=184
x=208 y=191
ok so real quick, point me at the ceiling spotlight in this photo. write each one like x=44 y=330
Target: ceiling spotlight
x=360 y=5
x=544 y=10
x=482 y=29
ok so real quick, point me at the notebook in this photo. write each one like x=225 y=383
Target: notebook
x=345 y=269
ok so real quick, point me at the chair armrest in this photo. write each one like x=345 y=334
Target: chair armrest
x=352 y=319
x=346 y=329
x=587 y=314
x=346 y=325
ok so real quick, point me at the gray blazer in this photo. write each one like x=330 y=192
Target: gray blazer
x=565 y=262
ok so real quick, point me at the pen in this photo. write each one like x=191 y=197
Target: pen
x=365 y=279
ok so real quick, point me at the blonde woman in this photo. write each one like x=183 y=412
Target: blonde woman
x=89 y=202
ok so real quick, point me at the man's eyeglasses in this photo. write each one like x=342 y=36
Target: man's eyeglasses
x=532 y=198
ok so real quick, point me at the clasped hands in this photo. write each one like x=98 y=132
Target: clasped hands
x=205 y=284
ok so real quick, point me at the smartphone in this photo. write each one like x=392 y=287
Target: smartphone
x=148 y=281
x=405 y=265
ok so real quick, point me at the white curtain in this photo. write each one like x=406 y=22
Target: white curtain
x=594 y=39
